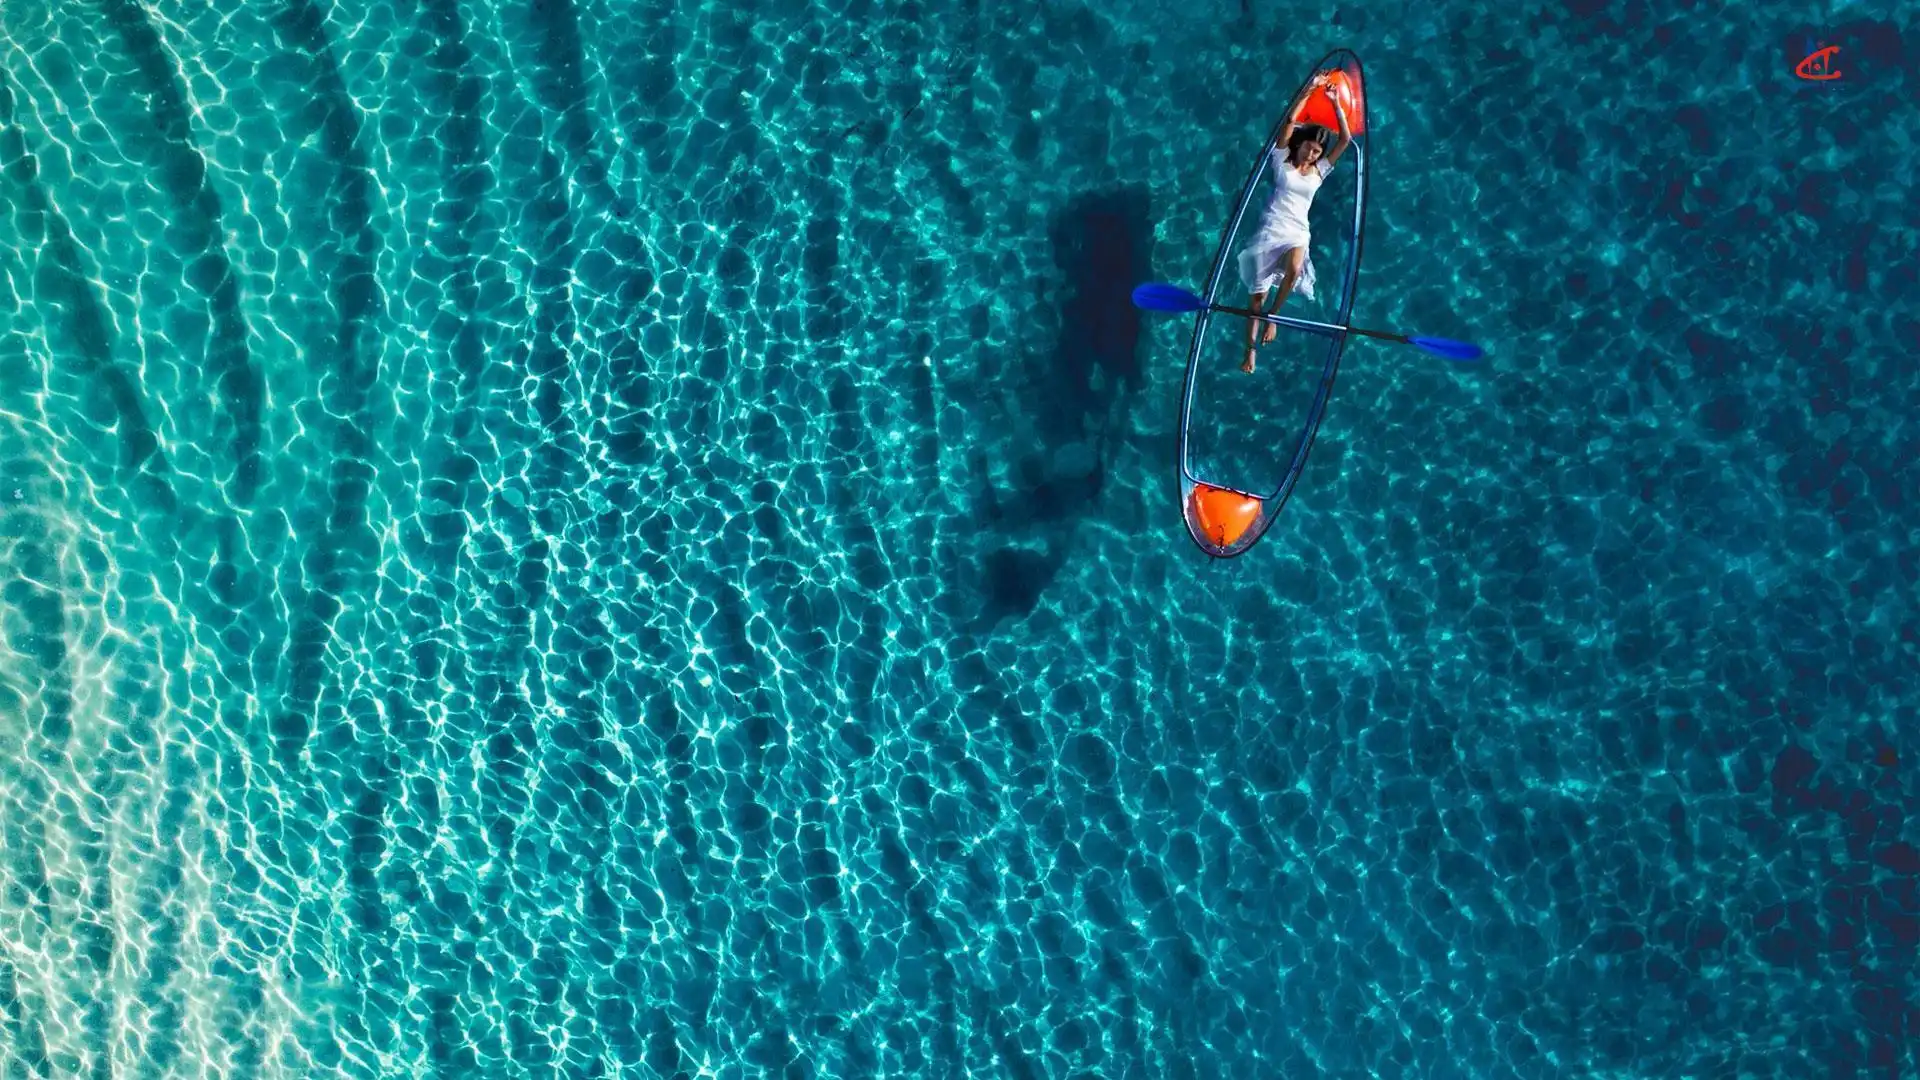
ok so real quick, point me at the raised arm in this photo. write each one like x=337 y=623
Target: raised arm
x=1293 y=110
x=1346 y=133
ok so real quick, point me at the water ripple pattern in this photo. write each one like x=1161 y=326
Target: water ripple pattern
x=573 y=538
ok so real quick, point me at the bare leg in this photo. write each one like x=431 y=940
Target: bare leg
x=1253 y=330
x=1292 y=265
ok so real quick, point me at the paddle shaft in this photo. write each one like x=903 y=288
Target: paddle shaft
x=1309 y=324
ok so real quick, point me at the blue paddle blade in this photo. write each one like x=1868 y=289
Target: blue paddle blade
x=1452 y=350
x=1158 y=296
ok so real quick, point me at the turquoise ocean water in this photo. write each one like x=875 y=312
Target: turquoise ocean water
x=571 y=538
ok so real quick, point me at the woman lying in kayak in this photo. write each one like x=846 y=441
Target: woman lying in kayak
x=1277 y=261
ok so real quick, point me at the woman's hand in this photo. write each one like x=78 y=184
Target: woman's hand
x=1300 y=101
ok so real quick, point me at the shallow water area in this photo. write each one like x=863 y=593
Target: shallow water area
x=571 y=538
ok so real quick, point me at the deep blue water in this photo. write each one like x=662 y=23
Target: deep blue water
x=591 y=539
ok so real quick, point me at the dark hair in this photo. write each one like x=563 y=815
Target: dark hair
x=1307 y=133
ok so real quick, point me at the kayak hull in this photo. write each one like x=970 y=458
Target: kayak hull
x=1216 y=508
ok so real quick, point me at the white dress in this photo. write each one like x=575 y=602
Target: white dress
x=1283 y=226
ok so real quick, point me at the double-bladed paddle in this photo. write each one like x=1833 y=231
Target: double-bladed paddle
x=1159 y=296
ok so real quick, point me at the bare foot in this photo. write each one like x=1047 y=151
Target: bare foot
x=1272 y=331
x=1248 y=365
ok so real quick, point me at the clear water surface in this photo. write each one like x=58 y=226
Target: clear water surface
x=571 y=538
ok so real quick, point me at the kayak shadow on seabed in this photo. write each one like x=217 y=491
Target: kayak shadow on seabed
x=1074 y=399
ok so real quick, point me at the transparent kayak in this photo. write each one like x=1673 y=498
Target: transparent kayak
x=1233 y=484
